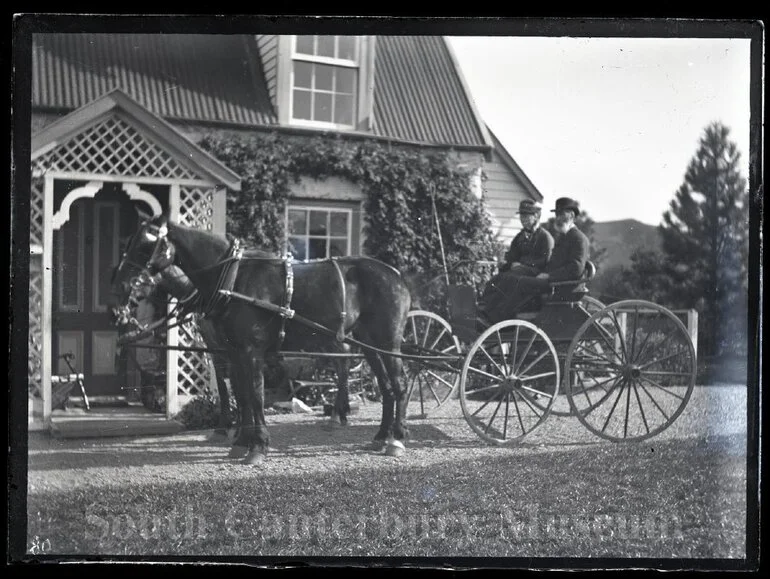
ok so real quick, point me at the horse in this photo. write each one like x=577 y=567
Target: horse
x=261 y=304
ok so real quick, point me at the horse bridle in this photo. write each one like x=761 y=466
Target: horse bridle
x=162 y=257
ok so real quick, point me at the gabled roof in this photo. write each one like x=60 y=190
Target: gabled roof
x=156 y=128
x=505 y=156
x=419 y=94
x=193 y=77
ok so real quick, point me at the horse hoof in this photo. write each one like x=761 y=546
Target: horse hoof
x=254 y=457
x=238 y=452
x=395 y=448
x=376 y=445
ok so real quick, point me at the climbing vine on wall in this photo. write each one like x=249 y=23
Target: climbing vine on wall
x=398 y=183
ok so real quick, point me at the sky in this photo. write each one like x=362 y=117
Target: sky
x=612 y=122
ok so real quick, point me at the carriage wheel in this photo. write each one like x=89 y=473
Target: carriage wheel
x=508 y=368
x=631 y=371
x=591 y=304
x=429 y=384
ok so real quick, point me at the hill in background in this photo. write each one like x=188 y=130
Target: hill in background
x=622 y=238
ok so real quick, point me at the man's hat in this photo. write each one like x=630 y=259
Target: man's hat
x=567 y=203
x=530 y=207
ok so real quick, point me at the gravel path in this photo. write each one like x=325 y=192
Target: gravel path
x=305 y=444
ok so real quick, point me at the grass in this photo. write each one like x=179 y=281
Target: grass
x=677 y=498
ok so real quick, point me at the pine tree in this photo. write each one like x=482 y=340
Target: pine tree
x=705 y=242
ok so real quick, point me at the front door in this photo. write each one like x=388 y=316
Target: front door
x=86 y=248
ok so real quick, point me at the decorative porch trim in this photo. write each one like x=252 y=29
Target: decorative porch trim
x=136 y=194
x=86 y=191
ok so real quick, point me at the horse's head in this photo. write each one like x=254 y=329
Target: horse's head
x=147 y=254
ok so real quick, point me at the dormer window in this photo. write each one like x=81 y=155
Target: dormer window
x=325 y=78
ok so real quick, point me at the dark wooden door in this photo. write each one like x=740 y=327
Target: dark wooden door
x=86 y=249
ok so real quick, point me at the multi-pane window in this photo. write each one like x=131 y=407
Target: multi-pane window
x=325 y=73
x=315 y=233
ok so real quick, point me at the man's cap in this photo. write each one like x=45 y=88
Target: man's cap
x=567 y=203
x=529 y=206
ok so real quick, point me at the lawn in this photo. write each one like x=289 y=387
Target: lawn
x=563 y=492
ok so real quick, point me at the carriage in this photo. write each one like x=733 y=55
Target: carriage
x=625 y=370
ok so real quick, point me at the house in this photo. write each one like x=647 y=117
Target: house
x=115 y=122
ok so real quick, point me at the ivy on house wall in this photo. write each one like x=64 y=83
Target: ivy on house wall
x=398 y=183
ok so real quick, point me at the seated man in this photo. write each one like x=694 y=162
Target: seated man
x=504 y=298
x=531 y=249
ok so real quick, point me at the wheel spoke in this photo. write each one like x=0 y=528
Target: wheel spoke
x=539 y=392
x=639 y=402
x=537 y=376
x=620 y=335
x=677 y=353
x=426 y=331
x=585 y=390
x=529 y=402
x=604 y=382
x=663 y=388
x=628 y=408
x=438 y=338
x=491 y=359
x=505 y=421
x=440 y=379
x=480 y=408
x=612 y=410
x=515 y=344
x=518 y=415
x=659 y=346
x=485 y=374
x=491 y=420
x=593 y=355
x=633 y=333
x=542 y=355
x=655 y=402
x=502 y=352
x=606 y=395
x=643 y=345
x=606 y=339
x=524 y=355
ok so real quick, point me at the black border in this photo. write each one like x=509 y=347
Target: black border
x=640 y=25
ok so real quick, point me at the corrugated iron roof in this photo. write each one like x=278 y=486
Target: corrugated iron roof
x=197 y=77
x=419 y=94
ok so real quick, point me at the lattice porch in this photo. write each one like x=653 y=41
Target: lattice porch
x=112 y=148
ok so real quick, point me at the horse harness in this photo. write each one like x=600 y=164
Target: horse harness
x=162 y=257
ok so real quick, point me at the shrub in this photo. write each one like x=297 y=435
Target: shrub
x=200 y=412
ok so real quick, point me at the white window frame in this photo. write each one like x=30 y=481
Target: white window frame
x=307 y=236
x=337 y=62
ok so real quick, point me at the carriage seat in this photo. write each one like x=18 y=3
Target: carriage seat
x=571 y=291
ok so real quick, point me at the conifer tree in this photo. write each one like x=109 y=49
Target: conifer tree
x=705 y=242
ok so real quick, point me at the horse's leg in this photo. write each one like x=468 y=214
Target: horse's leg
x=375 y=363
x=225 y=418
x=239 y=383
x=342 y=399
x=256 y=429
x=394 y=367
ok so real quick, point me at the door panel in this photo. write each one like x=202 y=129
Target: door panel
x=103 y=352
x=70 y=342
x=87 y=248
